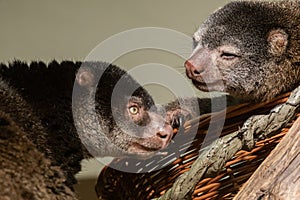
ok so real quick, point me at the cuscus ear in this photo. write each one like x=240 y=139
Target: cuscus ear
x=278 y=41
x=85 y=77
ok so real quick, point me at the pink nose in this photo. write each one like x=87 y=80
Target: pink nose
x=165 y=135
x=192 y=70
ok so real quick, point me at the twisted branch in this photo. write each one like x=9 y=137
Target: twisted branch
x=215 y=156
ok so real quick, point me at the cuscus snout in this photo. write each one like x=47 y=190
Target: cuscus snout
x=158 y=132
x=165 y=134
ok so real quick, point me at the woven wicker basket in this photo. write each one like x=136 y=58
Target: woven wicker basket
x=115 y=184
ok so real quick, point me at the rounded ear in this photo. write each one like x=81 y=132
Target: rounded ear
x=85 y=78
x=278 y=40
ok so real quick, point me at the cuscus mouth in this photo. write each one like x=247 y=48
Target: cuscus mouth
x=148 y=145
x=208 y=87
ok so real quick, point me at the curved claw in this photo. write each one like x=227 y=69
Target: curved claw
x=178 y=121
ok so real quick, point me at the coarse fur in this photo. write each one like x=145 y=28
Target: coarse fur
x=25 y=171
x=62 y=131
x=47 y=92
x=38 y=99
x=115 y=95
x=249 y=49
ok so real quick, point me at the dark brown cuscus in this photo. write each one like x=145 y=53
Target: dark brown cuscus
x=38 y=98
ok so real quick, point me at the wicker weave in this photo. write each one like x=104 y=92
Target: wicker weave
x=115 y=184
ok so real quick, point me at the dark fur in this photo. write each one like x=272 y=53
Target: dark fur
x=38 y=100
x=110 y=110
x=25 y=171
x=48 y=90
x=42 y=107
x=264 y=67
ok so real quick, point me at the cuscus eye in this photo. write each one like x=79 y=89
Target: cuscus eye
x=134 y=110
x=228 y=56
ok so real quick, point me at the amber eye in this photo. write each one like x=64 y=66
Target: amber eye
x=134 y=110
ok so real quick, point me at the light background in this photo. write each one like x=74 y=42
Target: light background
x=55 y=29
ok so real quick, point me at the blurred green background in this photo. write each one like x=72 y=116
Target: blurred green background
x=55 y=29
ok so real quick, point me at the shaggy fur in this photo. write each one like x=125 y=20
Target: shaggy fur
x=25 y=171
x=254 y=45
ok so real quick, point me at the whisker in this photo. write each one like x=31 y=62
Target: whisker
x=183 y=73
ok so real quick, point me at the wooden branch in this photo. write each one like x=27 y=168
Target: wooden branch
x=215 y=156
x=278 y=177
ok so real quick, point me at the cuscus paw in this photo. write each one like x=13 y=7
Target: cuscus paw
x=178 y=117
